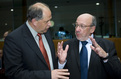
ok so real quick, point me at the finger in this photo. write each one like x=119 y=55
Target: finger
x=93 y=41
x=58 y=54
x=97 y=50
x=62 y=77
x=93 y=48
x=58 y=46
x=61 y=45
x=62 y=70
x=67 y=47
x=64 y=73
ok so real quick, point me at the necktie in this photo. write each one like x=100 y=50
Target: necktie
x=84 y=61
x=42 y=48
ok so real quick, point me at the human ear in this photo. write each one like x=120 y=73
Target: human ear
x=34 y=22
x=92 y=29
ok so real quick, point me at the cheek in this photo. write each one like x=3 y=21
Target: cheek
x=90 y=31
x=44 y=27
x=86 y=32
x=40 y=27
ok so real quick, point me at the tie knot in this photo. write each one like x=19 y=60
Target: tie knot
x=39 y=35
x=84 y=43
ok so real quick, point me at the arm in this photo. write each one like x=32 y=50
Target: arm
x=113 y=64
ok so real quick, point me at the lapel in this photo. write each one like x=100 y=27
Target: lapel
x=93 y=56
x=32 y=43
x=76 y=51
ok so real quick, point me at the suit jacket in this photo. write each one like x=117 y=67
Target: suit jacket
x=23 y=58
x=97 y=68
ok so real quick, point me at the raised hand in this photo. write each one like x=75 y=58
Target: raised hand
x=62 y=54
x=97 y=48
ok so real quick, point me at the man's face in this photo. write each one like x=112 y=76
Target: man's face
x=83 y=29
x=43 y=25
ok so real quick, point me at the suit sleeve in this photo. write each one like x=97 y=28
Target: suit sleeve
x=113 y=66
x=14 y=66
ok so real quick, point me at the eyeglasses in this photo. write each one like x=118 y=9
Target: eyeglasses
x=80 y=26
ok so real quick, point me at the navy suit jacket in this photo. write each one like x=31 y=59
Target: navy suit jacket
x=97 y=68
x=23 y=58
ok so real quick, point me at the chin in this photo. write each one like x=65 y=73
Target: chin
x=78 y=38
x=45 y=31
x=81 y=38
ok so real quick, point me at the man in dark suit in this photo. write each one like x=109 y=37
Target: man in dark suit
x=22 y=50
x=102 y=61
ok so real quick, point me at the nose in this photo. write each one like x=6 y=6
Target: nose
x=77 y=28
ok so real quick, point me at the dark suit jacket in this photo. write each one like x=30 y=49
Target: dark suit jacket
x=97 y=68
x=23 y=58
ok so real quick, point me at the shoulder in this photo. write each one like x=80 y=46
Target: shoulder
x=18 y=30
x=104 y=42
x=17 y=33
x=71 y=41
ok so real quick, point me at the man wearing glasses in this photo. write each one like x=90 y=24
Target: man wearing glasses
x=88 y=57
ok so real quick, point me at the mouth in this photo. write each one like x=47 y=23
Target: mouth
x=77 y=33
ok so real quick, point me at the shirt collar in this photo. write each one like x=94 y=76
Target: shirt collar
x=88 y=40
x=34 y=33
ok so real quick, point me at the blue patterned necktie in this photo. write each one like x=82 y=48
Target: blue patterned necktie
x=84 y=60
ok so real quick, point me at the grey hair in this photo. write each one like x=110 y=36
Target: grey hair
x=35 y=12
x=94 y=22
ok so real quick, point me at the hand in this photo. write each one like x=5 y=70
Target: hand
x=97 y=48
x=60 y=73
x=62 y=54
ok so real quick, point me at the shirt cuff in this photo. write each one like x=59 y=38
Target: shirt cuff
x=105 y=60
x=61 y=66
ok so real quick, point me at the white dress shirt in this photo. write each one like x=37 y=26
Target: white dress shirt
x=80 y=47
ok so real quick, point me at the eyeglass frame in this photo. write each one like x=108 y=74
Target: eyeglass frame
x=81 y=25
